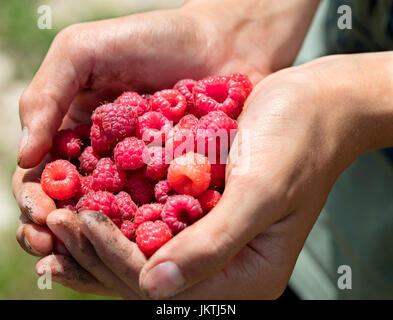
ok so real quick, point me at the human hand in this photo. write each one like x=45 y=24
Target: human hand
x=301 y=140
x=86 y=65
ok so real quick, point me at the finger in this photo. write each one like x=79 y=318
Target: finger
x=31 y=199
x=208 y=246
x=121 y=255
x=48 y=97
x=34 y=239
x=63 y=224
x=66 y=271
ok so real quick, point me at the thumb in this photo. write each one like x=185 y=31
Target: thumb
x=45 y=102
x=206 y=247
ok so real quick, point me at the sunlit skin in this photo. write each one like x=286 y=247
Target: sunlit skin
x=307 y=123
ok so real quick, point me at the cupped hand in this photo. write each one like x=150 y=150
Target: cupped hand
x=296 y=135
x=94 y=62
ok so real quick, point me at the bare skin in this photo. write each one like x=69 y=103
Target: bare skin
x=321 y=116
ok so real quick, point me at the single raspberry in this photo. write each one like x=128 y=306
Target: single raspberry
x=85 y=185
x=217 y=181
x=189 y=121
x=180 y=211
x=127 y=208
x=60 y=180
x=208 y=200
x=243 y=80
x=185 y=87
x=162 y=190
x=140 y=188
x=128 y=154
x=88 y=160
x=220 y=93
x=116 y=120
x=133 y=100
x=190 y=174
x=83 y=131
x=181 y=138
x=107 y=177
x=148 y=212
x=153 y=127
x=128 y=229
x=101 y=143
x=157 y=161
x=67 y=144
x=69 y=204
x=171 y=103
x=214 y=134
x=100 y=201
x=151 y=236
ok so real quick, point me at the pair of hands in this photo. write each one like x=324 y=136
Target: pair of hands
x=299 y=123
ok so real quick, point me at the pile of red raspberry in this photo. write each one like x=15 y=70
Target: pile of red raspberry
x=154 y=164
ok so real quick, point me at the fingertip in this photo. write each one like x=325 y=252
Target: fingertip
x=33 y=149
x=38 y=238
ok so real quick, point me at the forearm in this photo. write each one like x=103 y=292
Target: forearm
x=267 y=31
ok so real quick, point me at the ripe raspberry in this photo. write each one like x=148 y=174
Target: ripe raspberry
x=60 y=180
x=190 y=174
x=221 y=93
x=151 y=236
x=162 y=190
x=157 y=161
x=185 y=87
x=83 y=131
x=133 y=100
x=100 y=201
x=208 y=200
x=128 y=154
x=85 y=185
x=189 y=121
x=67 y=144
x=153 y=127
x=88 y=160
x=68 y=204
x=180 y=211
x=127 y=208
x=101 y=143
x=128 y=229
x=217 y=181
x=214 y=134
x=181 y=138
x=107 y=177
x=148 y=212
x=140 y=188
x=171 y=103
x=243 y=80
x=116 y=120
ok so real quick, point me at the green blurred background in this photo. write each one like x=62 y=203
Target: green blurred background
x=22 y=47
